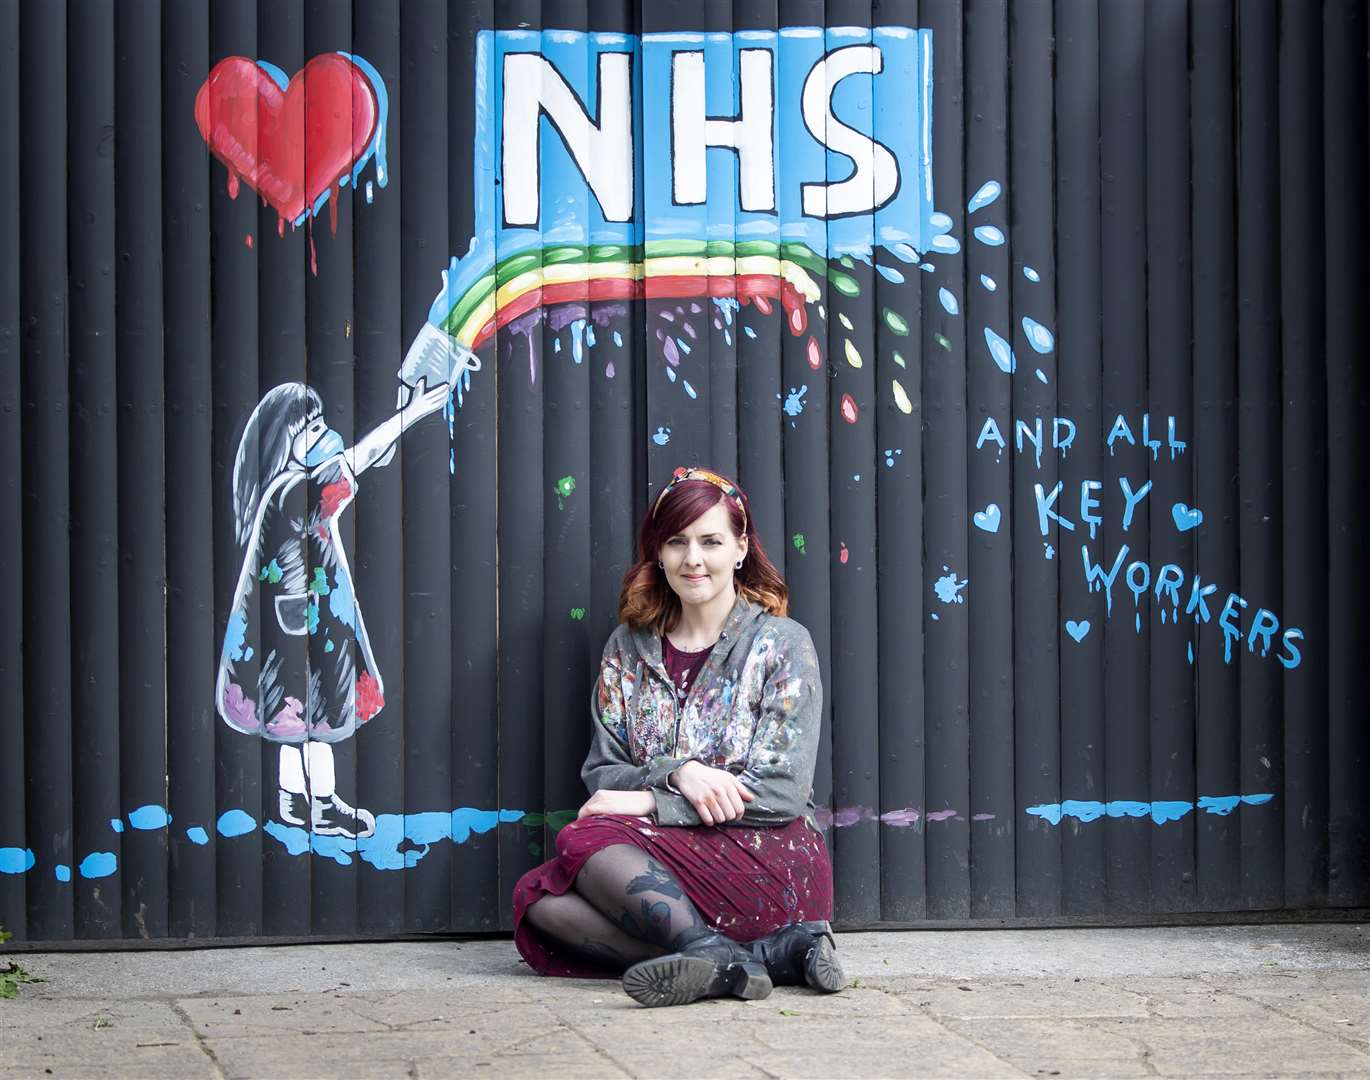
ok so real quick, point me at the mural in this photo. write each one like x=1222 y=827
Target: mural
x=652 y=213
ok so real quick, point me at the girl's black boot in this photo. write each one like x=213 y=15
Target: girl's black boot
x=709 y=966
x=802 y=954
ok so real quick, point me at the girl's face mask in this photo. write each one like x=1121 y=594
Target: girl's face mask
x=317 y=443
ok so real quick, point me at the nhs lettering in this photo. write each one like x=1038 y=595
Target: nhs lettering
x=845 y=111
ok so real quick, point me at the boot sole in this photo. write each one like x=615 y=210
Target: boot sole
x=822 y=970
x=679 y=980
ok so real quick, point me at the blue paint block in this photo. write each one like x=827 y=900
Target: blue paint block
x=197 y=835
x=149 y=817
x=15 y=860
x=236 y=823
x=98 y=864
x=62 y=872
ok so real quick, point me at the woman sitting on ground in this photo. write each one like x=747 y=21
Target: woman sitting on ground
x=695 y=868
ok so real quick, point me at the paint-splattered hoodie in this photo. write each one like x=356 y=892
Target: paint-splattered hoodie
x=754 y=709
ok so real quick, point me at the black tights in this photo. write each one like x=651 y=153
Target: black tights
x=625 y=907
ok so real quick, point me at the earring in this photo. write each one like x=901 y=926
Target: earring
x=738 y=565
x=659 y=565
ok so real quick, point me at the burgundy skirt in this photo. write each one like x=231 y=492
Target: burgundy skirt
x=746 y=882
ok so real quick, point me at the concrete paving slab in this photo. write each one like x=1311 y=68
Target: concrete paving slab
x=1241 y=1001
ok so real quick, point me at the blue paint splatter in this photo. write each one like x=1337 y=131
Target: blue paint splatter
x=794 y=400
x=98 y=864
x=1160 y=811
x=988 y=282
x=149 y=817
x=234 y=636
x=196 y=835
x=236 y=823
x=15 y=860
x=662 y=436
x=1031 y=274
x=989 y=235
x=948 y=589
x=948 y=301
x=116 y=824
x=341 y=601
x=618 y=339
x=889 y=273
x=749 y=331
x=947 y=245
x=903 y=252
x=690 y=390
x=62 y=872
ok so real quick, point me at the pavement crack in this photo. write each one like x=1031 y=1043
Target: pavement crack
x=200 y=1040
x=599 y=1050
x=1351 y=1044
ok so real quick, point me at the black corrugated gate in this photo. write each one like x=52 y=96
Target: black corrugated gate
x=1035 y=334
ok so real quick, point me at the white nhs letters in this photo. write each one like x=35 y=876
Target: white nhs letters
x=602 y=147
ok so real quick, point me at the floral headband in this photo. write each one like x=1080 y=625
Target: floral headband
x=722 y=483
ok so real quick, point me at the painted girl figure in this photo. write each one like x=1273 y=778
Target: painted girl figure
x=297 y=666
x=695 y=869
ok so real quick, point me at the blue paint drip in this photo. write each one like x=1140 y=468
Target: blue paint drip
x=618 y=339
x=341 y=602
x=234 y=636
x=989 y=191
x=749 y=332
x=149 y=817
x=1001 y=352
x=236 y=823
x=62 y=872
x=98 y=864
x=14 y=860
x=116 y=824
x=278 y=76
x=196 y=835
x=1038 y=336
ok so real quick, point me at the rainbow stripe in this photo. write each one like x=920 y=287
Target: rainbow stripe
x=658 y=269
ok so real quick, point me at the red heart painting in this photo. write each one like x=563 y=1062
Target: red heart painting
x=292 y=145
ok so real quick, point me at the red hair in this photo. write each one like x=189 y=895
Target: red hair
x=647 y=601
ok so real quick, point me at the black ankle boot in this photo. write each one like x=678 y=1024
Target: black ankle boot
x=710 y=966
x=802 y=954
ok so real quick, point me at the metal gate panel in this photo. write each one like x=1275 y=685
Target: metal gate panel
x=1033 y=331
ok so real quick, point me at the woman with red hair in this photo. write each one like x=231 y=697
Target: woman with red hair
x=695 y=869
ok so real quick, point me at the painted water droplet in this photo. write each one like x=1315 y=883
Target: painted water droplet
x=942 y=340
x=814 y=353
x=895 y=322
x=846 y=322
x=843 y=554
x=901 y=399
x=749 y=332
x=618 y=339
x=853 y=357
x=904 y=252
x=988 y=282
x=688 y=388
x=1041 y=376
x=988 y=192
x=1002 y=353
x=889 y=273
x=670 y=373
x=899 y=360
x=848 y=409
x=1031 y=274
x=989 y=235
x=948 y=301
x=939 y=221
x=1038 y=336
x=370 y=192
x=948 y=245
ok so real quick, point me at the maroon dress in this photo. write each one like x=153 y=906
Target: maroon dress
x=746 y=881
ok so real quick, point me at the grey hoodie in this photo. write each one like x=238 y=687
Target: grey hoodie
x=754 y=709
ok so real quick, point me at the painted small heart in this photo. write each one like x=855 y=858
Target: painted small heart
x=291 y=142
x=1077 y=630
x=1186 y=517
x=988 y=518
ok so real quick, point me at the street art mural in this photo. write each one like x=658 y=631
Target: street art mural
x=642 y=206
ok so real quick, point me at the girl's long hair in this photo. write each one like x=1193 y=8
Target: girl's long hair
x=648 y=602
x=264 y=449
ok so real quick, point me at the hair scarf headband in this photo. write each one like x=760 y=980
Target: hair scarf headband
x=724 y=485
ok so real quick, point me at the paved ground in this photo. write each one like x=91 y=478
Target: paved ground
x=1238 y=1001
